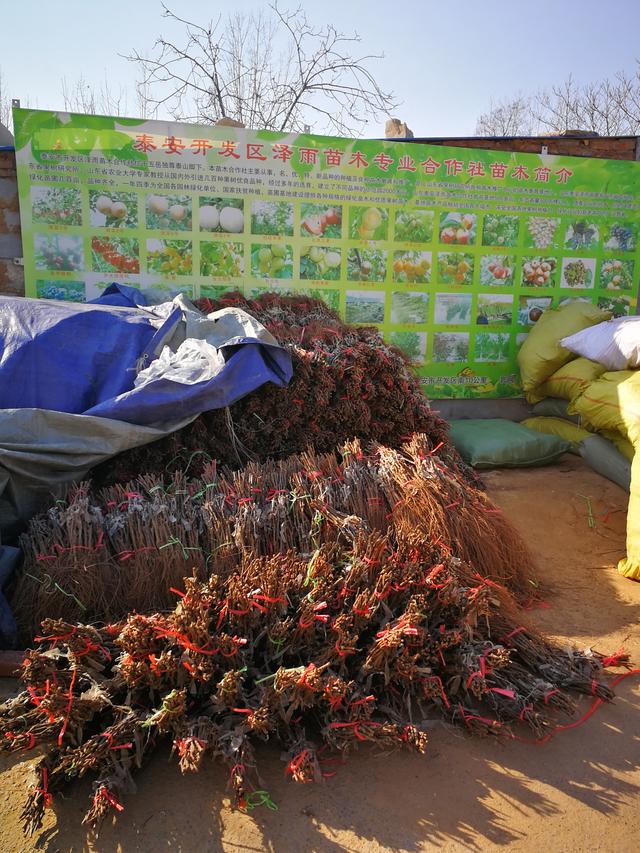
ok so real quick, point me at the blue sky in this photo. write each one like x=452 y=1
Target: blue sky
x=444 y=60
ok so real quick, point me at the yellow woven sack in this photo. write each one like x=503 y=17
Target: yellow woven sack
x=630 y=566
x=571 y=379
x=558 y=426
x=541 y=354
x=612 y=403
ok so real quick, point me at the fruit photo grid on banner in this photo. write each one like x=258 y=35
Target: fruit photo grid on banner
x=453 y=253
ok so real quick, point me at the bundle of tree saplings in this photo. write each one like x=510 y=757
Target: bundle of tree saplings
x=347 y=383
x=102 y=554
x=361 y=637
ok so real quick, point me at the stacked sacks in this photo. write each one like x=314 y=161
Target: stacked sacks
x=582 y=391
x=560 y=428
x=541 y=357
x=615 y=347
x=570 y=380
x=553 y=377
x=611 y=405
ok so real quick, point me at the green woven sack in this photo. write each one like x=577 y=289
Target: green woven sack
x=552 y=407
x=498 y=443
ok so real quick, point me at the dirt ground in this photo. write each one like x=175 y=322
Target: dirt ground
x=579 y=792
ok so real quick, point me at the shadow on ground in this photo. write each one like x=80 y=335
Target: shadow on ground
x=462 y=793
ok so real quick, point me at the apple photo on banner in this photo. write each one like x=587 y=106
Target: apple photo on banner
x=538 y=271
x=497 y=270
x=457 y=228
x=367 y=265
x=169 y=257
x=368 y=223
x=113 y=209
x=56 y=205
x=272 y=218
x=616 y=274
x=455 y=268
x=220 y=259
x=58 y=252
x=413 y=226
x=500 y=230
x=168 y=212
x=221 y=215
x=320 y=220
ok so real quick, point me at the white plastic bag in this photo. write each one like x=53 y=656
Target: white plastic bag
x=194 y=361
x=614 y=344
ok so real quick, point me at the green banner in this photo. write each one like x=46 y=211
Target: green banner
x=454 y=253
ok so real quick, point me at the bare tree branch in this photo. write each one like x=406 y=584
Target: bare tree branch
x=270 y=70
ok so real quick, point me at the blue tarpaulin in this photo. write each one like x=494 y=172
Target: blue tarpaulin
x=122 y=295
x=80 y=383
x=86 y=358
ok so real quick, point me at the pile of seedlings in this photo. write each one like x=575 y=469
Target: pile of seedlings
x=317 y=597
x=102 y=554
x=347 y=382
x=353 y=622
x=333 y=600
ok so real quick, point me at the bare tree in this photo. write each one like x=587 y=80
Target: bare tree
x=507 y=118
x=268 y=70
x=609 y=107
x=83 y=97
x=624 y=92
x=5 y=104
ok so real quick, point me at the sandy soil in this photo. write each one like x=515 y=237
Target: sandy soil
x=576 y=793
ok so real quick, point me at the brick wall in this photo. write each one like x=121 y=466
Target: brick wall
x=604 y=147
x=11 y=275
x=607 y=147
